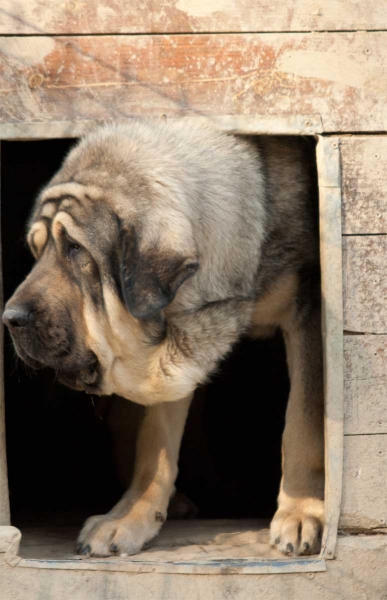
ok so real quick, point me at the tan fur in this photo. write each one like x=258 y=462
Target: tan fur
x=273 y=309
x=72 y=189
x=48 y=211
x=144 y=374
x=300 y=517
x=37 y=237
x=138 y=516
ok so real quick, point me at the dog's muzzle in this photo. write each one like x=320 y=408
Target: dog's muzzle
x=77 y=369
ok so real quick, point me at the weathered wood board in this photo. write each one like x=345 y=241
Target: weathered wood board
x=189 y=541
x=365 y=283
x=168 y=16
x=364 y=501
x=364 y=184
x=358 y=573
x=341 y=78
x=365 y=384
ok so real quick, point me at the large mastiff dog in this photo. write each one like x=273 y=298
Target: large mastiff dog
x=157 y=246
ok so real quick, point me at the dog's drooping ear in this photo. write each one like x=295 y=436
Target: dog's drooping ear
x=150 y=279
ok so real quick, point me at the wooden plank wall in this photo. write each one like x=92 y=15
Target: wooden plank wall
x=323 y=62
x=170 y=16
x=364 y=188
x=274 y=75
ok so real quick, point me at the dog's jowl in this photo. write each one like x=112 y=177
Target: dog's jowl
x=158 y=246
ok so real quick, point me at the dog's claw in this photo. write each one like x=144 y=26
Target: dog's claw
x=84 y=550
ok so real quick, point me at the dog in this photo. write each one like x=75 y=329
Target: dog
x=158 y=245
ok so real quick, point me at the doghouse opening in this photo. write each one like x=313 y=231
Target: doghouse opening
x=62 y=451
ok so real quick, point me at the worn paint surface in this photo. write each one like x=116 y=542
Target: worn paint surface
x=268 y=75
x=365 y=379
x=358 y=573
x=364 y=501
x=328 y=167
x=241 y=124
x=364 y=162
x=206 y=547
x=365 y=284
x=131 y=16
x=364 y=172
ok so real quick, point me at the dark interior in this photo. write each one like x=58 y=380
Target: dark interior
x=59 y=446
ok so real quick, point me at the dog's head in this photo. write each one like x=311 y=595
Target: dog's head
x=113 y=244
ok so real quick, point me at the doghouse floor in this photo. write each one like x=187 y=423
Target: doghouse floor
x=191 y=541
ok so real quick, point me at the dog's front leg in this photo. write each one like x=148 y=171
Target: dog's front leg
x=138 y=516
x=297 y=525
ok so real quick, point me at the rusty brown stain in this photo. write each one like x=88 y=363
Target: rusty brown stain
x=110 y=77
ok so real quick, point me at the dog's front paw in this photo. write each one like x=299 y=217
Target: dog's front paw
x=297 y=526
x=104 y=535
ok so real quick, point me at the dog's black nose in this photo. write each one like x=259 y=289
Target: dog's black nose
x=19 y=315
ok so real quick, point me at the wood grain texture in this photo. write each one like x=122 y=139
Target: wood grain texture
x=365 y=284
x=358 y=574
x=364 y=178
x=328 y=167
x=365 y=384
x=168 y=16
x=188 y=547
x=71 y=78
x=364 y=501
x=240 y=124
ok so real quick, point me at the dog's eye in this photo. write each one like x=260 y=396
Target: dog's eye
x=73 y=249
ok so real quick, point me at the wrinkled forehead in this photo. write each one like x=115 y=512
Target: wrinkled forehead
x=64 y=196
x=77 y=208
